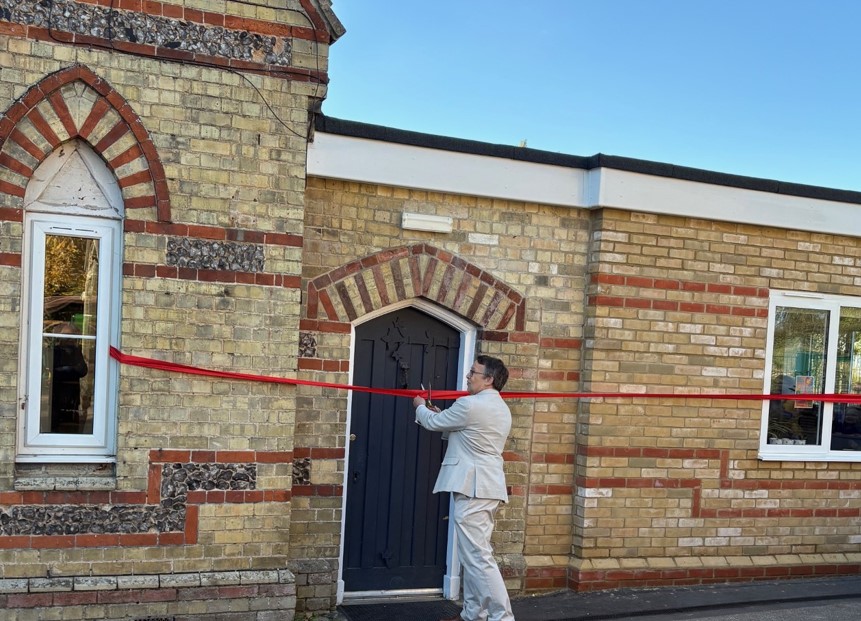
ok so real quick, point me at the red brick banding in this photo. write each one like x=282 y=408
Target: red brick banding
x=583 y=581
x=50 y=91
x=457 y=274
x=151 y=496
x=607 y=298
x=695 y=485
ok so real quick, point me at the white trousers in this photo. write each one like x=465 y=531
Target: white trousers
x=484 y=593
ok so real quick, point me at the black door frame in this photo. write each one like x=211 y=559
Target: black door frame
x=468 y=335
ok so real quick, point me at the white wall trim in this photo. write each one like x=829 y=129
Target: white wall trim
x=374 y=161
x=677 y=197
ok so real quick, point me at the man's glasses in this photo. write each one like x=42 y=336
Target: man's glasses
x=474 y=372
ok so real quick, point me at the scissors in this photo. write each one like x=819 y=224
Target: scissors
x=429 y=403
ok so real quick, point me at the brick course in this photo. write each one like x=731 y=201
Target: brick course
x=258 y=594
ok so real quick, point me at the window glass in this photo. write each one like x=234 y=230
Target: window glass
x=799 y=349
x=70 y=308
x=69 y=394
x=846 y=425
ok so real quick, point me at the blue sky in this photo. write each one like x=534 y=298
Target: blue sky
x=764 y=88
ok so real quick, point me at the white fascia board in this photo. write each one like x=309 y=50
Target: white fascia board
x=373 y=161
x=663 y=195
x=379 y=162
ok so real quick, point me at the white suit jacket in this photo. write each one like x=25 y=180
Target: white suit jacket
x=477 y=427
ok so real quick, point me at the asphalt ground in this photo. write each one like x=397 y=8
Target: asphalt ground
x=808 y=599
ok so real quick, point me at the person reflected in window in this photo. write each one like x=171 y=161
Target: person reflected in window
x=69 y=367
x=852 y=420
x=846 y=431
x=783 y=415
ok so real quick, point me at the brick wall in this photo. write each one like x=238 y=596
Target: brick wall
x=670 y=491
x=211 y=163
x=264 y=595
x=208 y=146
x=517 y=271
x=605 y=492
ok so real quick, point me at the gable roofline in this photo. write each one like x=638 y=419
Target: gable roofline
x=367 y=131
x=323 y=17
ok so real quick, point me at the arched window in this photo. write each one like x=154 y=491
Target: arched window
x=72 y=261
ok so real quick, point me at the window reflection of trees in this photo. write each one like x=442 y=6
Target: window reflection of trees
x=846 y=419
x=849 y=351
x=800 y=344
x=71 y=282
x=799 y=352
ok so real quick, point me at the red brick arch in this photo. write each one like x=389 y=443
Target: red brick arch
x=76 y=103
x=421 y=270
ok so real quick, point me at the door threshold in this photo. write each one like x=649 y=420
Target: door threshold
x=376 y=597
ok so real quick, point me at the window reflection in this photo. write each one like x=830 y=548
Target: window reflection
x=846 y=422
x=66 y=384
x=68 y=339
x=798 y=366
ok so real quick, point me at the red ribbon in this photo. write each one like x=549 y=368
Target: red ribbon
x=447 y=395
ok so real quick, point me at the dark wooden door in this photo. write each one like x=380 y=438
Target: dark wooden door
x=396 y=528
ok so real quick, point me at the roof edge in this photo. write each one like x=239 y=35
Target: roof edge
x=355 y=129
x=333 y=25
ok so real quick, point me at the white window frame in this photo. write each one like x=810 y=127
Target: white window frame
x=817 y=301
x=100 y=446
x=93 y=209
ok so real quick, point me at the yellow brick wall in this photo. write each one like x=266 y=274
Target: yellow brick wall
x=536 y=250
x=652 y=488
x=675 y=484
x=233 y=150
x=611 y=302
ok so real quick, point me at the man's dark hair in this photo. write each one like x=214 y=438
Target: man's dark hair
x=495 y=368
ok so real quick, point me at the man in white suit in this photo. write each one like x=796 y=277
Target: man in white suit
x=477 y=427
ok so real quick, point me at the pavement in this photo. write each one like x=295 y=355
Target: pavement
x=804 y=597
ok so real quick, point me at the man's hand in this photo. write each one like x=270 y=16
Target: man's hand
x=419 y=400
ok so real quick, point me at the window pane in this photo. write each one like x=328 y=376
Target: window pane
x=846 y=425
x=68 y=339
x=798 y=366
x=67 y=383
x=71 y=283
